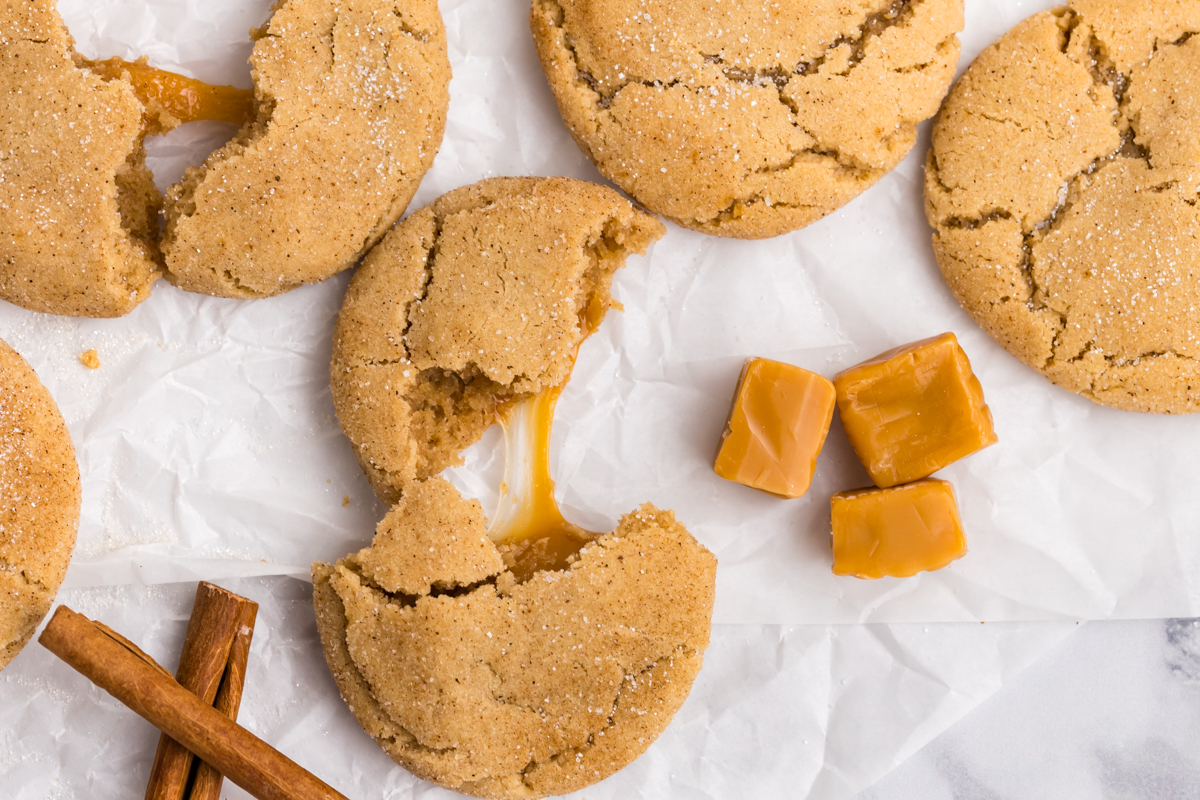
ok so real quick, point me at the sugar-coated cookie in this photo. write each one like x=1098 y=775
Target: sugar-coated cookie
x=39 y=502
x=352 y=106
x=513 y=690
x=746 y=118
x=1063 y=189
x=469 y=664
x=471 y=301
x=351 y=101
x=78 y=208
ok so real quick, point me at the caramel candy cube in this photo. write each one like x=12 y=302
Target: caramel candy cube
x=896 y=532
x=776 y=428
x=914 y=410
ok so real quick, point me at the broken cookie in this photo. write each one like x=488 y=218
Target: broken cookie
x=478 y=299
x=497 y=688
x=527 y=656
x=745 y=118
x=78 y=208
x=352 y=101
x=348 y=111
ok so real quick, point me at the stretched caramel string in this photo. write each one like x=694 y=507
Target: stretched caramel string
x=528 y=521
x=186 y=99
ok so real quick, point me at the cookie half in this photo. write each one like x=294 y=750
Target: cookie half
x=746 y=118
x=1064 y=189
x=352 y=100
x=504 y=689
x=39 y=502
x=78 y=208
x=472 y=301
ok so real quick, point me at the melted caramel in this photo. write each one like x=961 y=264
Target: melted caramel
x=534 y=533
x=186 y=99
x=531 y=530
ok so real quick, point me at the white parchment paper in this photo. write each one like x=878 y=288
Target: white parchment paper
x=778 y=711
x=209 y=450
x=209 y=447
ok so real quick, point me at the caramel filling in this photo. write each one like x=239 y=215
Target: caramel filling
x=185 y=99
x=896 y=532
x=529 y=527
x=534 y=533
x=776 y=428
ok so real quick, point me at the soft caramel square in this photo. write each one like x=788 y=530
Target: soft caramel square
x=896 y=532
x=914 y=410
x=776 y=428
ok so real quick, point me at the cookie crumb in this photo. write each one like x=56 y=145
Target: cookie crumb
x=345 y=500
x=90 y=359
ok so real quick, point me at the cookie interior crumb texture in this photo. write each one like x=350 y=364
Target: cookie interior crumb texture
x=39 y=502
x=747 y=118
x=1062 y=186
x=78 y=208
x=443 y=322
x=504 y=689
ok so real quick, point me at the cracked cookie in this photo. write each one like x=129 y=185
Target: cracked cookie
x=352 y=100
x=78 y=208
x=503 y=689
x=470 y=302
x=348 y=111
x=527 y=656
x=39 y=502
x=1062 y=186
x=750 y=118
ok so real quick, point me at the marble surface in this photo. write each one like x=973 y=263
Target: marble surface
x=1113 y=712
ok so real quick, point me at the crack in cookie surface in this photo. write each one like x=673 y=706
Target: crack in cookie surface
x=696 y=124
x=1076 y=243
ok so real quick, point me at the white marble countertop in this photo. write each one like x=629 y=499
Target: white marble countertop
x=1112 y=712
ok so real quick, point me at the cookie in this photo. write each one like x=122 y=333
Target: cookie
x=78 y=208
x=350 y=101
x=470 y=302
x=1062 y=186
x=39 y=502
x=504 y=689
x=352 y=106
x=529 y=657
x=746 y=118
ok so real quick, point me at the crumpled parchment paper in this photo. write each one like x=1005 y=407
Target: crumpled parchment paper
x=209 y=450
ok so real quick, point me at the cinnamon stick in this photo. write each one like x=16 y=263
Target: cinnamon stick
x=135 y=680
x=206 y=780
x=211 y=630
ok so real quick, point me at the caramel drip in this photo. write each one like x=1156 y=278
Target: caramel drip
x=531 y=530
x=185 y=99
